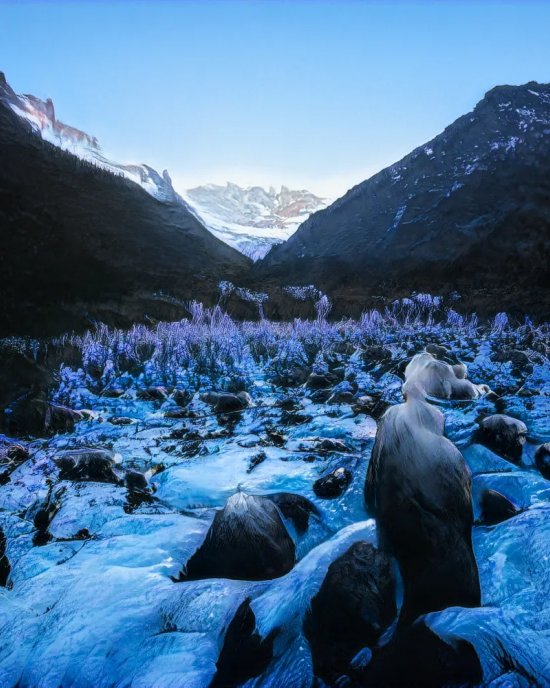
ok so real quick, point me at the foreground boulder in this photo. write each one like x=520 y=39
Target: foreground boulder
x=354 y=606
x=418 y=488
x=542 y=460
x=244 y=654
x=152 y=394
x=225 y=402
x=40 y=418
x=439 y=379
x=247 y=540
x=334 y=484
x=95 y=465
x=495 y=508
x=504 y=435
x=295 y=508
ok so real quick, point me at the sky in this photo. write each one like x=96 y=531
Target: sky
x=316 y=95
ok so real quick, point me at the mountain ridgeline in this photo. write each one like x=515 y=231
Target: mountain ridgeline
x=467 y=212
x=83 y=244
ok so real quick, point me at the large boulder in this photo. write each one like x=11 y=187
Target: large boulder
x=247 y=540
x=495 y=508
x=354 y=606
x=418 y=488
x=295 y=508
x=41 y=418
x=439 y=379
x=504 y=435
x=94 y=465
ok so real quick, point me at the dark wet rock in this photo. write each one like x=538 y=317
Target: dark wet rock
x=519 y=359
x=95 y=465
x=94 y=369
x=542 y=460
x=342 y=394
x=375 y=354
x=12 y=455
x=294 y=377
x=333 y=485
x=44 y=516
x=134 y=480
x=364 y=404
x=247 y=540
x=225 y=403
x=418 y=489
x=121 y=420
x=339 y=372
x=354 y=606
x=235 y=385
x=244 y=654
x=295 y=418
x=41 y=418
x=274 y=436
x=152 y=394
x=256 y=460
x=320 y=396
x=21 y=375
x=417 y=657
x=437 y=351
x=343 y=348
x=5 y=567
x=244 y=398
x=287 y=403
x=320 y=381
x=112 y=392
x=504 y=435
x=495 y=508
x=331 y=444
x=295 y=508
x=528 y=392
x=182 y=397
x=179 y=413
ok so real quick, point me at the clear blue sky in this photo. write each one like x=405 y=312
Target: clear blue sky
x=316 y=95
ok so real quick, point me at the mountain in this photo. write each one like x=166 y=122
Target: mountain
x=81 y=241
x=252 y=220
x=468 y=212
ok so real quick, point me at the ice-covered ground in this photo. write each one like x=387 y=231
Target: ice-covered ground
x=91 y=600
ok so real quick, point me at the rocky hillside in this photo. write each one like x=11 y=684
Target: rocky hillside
x=80 y=243
x=468 y=211
x=252 y=220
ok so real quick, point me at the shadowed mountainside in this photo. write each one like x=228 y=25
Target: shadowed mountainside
x=469 y=211
x=80 y=244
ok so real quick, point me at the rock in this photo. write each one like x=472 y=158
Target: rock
x=247 y=540
x=354 y=606
x=244 y=398
x=274 y=436
x=320 y=381
x=225 y=402
x=343 y=348
x=41 y=418
x=437 y=351
x=152 y=394
x=21 y=375
x=542 y=460
x=5 y=567
x=121 y=420
x=112 y=392
x=364 y=404
x=331 y=444
x=504 y=435
x=342 y=394
x=519 y=359
x=244 y=654
x=495 y=508
x=295 y=418
x=135 y=480
x=95 y=465
x=418 y=489
x=256 y=460
x=320 y=396
x=417 y=657
x=438 y=379
x=376 y=354
x=333 y=485
x=295 y=508
x=287 y=403
x=179 y=413
x=182 y=397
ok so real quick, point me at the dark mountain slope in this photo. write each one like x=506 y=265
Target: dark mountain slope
x=80 y=243
x=469 y=211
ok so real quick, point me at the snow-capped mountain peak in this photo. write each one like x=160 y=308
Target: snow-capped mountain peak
x=252 y=219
